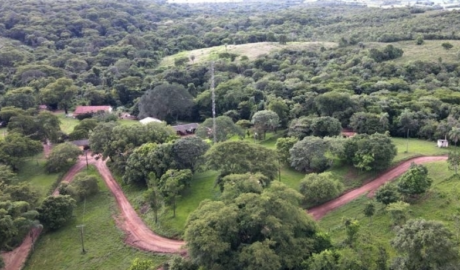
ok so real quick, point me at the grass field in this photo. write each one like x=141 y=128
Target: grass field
x=33 y=172
x=430 y=50
x=440 y=203
x=251 y=50
x=103 y=241
x=69 y=123
x=418 y=148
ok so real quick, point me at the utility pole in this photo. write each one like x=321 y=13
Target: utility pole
x=86 y=155
x=213 y=104
x=83 y=251
x=82 y=226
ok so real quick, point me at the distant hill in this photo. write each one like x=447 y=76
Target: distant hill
x=251 y=50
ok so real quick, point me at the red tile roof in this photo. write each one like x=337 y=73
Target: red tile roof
x=90 y=109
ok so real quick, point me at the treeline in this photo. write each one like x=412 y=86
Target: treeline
x=110 y=50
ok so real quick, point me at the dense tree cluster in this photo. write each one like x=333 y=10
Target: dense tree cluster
x=109 y=52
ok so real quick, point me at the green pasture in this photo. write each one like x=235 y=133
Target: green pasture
x=32 y=171
x=102 y=239
x=441 y=203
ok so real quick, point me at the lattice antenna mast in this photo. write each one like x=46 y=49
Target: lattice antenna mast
x=213 y=104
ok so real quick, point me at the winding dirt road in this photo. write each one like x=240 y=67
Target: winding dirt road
x=140 y=236
x=321 y=210
x=137 y=233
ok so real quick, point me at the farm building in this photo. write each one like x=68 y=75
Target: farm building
x=147 y=120
x=443 y=143
x=91 y=109
x=186 y=129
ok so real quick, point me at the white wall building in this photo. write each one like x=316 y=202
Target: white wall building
x=147 y=120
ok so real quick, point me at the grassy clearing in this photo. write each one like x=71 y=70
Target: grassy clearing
x=67 y=123
x=418 y=148
x=430 y=50
x=103 y=240
x=33 y=172
x=440 y=203
x=251 y=50
x=202 y=188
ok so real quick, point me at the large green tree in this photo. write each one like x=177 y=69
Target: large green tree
x=167 y=102
x=189 y=152
x=369 y=152
x=62 y=156
x=56 y=211
x=15 y=147
x=283 y=145
x=318 y=188
x=454 y=160
x=225 y=128
x=59 y=94
x=309 y=154
x=254 y=231
x=172 y=184
x=423 y=244
x=369 y=123
x=388 y=193
x=264 y=121
x=237 y=157
x=407 y=122
x=415 y=181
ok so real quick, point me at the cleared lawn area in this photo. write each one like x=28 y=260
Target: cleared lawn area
x=33 y=172
x=418 y=148
x=202 y=188
x=67 y=123
x=251 y=50
x=440 y=203
x=103 y=241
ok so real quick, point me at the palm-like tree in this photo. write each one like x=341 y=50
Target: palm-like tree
x=454 y=135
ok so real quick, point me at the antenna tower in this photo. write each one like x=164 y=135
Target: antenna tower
x=213 y=104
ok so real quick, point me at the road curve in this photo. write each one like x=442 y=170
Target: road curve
x=140 y=236
x=136 y=232
x=321 y=210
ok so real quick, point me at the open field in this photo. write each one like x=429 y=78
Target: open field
x=430 y=50
x=418 y=148
x=33 y=172
x=103 y=240
x=69 y=123
x=440 y=203
x=251 y=50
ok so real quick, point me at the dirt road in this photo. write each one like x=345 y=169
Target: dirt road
x=320 y=211
x=137 y=233
x=140 y=236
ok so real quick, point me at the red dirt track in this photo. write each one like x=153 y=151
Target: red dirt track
x=140 y=236
x=321 y=210
x=137 y=233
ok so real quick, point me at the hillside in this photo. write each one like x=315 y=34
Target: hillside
x=430 y=50
x=251 y=50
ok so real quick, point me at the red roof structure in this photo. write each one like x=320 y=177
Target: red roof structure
x=91 y=109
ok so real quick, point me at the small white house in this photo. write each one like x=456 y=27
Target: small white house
x=443 y=143
x=148 y=120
